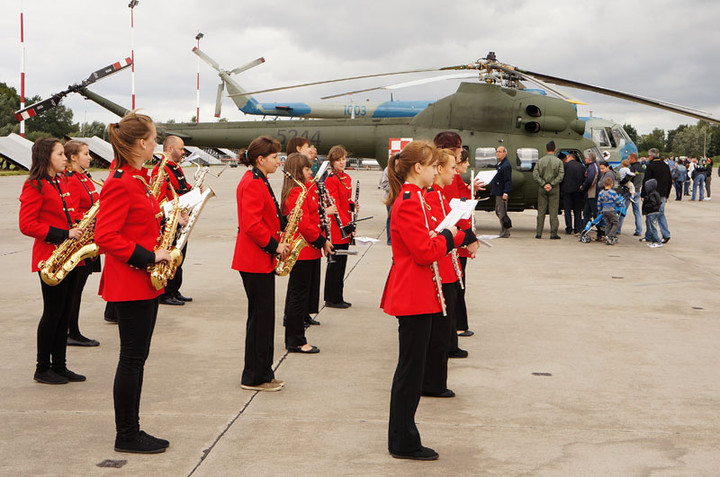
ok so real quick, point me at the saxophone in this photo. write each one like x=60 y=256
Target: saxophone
x=290 y=235
x=68 y=254
x=163 y=271
x=160 y=178
x=194 y=214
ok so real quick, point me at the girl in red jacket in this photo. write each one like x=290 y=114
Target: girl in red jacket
x=48 y=214
x=127 y=228
x=339 y=187
x=83 y=189
x=257 y=245
x=412 y=292
x=303 y=289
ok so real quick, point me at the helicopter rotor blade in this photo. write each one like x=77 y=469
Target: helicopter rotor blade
x=219 y=98
x=247 y=66
x=540 y=83
x=656 y=103
x=214 y=64
x=315 y=83
x=42 y=106
x=406 y=84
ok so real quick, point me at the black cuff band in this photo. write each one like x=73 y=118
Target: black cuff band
x=320 y=242
x=141 y=257
x=56 y=235
x=469 y=238
x=449 y=242
x=271 y=247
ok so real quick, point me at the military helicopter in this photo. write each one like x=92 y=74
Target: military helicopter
x=485 y=114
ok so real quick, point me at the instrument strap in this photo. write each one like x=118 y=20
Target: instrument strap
x=56 y=184
x=281 y=217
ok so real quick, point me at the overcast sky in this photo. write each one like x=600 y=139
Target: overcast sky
x=665 y=49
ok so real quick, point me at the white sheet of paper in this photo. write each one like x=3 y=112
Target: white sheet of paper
x=189 y=200
x=470 y=207
x=365 y=241
x=484 y=176
x=459 y=209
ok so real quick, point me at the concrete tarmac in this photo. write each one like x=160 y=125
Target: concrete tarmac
x=587 y=360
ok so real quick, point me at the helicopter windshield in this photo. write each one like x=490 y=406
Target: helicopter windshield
x=600 y=137
x=620 y=136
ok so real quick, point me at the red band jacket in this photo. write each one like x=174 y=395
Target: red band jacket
x=458 y=190
x=83 y=189
x=339 y=186
x=258 y=225
x=47 y=215
x=309 y=227
x=176 y=178
x=127 y=229
x=410 y=288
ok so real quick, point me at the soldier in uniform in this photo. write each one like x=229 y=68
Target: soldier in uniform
x=48 y=214
x=548 y=173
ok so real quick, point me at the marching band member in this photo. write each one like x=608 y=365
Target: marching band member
x=174 y=148
x=256 y=246
x=82 y=188
x=450 y=270
x=127 y=230
x=303 y=290
x=411 y=293
x=47 y=213
x=339 y=187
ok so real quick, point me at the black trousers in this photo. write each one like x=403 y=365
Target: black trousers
x=335 y=276
x=304 y=280
x=53 y=327
x=136 y=322
x=414 y=340
x=83 y=274
x=172 y=289
x=260 y=328
x=436 y=359
x=573 y=207
x=461 y=317
x=451 y=292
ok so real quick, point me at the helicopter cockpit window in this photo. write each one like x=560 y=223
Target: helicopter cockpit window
x=485 y=157
x=619 y=136
x=526 y=158
x=600 y=137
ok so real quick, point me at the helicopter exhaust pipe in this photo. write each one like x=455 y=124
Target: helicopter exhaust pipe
x=546 y=123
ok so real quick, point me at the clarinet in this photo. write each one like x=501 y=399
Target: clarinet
x=435 y=271
x=356 y=208
x=322 y=192
x=453 y=253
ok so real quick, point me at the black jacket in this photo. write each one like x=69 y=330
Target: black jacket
x=502 y=182
x=574 y=177
x=652 y=203
x=658 y=170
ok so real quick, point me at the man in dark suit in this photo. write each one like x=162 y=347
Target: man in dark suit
x=571 y=194
x=500 y=187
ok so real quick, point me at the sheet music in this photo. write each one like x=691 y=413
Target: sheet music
x=459 y=209
x=188 y=201
x=485 y=177
x=460 y=203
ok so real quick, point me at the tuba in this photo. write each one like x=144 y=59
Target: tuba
x=290 y=235
x=68 y=254
x=163 y=271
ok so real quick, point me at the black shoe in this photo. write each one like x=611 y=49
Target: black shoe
x=448 y=393
x=111 y=320
x=424 y=453
x=538 y=236
x=636 y=235
x=49 y=377
x=69 y=375
x=162 y=442
x=312 y=350
x=171 y=301
x=665 y=239
x=466 y=333
x=458 y=353
x=310 y=321
x=342 y=304
x=554 y=237
x=142 y=444
x=180 y=297
x=82 y=341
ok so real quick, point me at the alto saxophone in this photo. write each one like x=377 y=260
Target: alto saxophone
x=160 y=178
x=163 y=271
x=290 y=235
x=68 y=254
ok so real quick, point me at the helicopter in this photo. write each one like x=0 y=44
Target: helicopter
x=613 y=141
x=494 y=111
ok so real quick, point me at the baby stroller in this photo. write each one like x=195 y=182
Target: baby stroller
x=599 y=224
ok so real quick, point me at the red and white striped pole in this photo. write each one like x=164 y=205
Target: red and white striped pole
x=22 y=67
x=132 y=5
x=197 y=109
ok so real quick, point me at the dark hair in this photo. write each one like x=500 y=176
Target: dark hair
x=604 y=163
x=400 y=163
x=260 y=146
x=73 y=147
x=295 y=144
x=464 y=156
x=294 y=164
x=336 y=153
x=124 y=134
x=447 y=140
x=41 y=152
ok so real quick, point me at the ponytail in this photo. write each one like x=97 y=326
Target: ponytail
x=260 y=146
x=400 y=164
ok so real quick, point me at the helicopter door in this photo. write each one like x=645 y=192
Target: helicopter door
x=526 y=158
x=485 y=158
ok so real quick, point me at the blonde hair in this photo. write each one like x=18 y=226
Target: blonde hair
x=125 y=133
x=400 y=164
x=72 y=148
x=294 y=164
x=625 y=163
x=335 y=154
